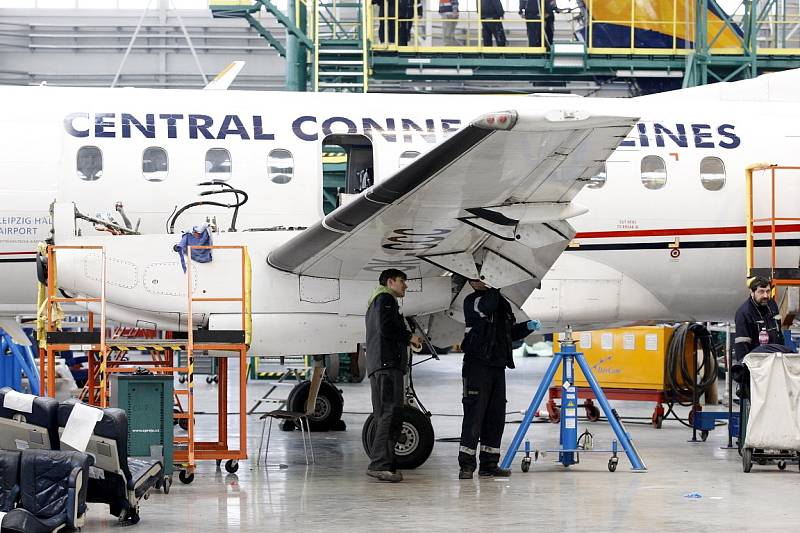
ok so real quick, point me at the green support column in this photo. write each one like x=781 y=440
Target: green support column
x=296 y=55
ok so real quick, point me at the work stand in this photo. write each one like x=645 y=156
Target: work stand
x=569 y=451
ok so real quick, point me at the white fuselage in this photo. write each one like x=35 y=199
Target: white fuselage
x=621 y=272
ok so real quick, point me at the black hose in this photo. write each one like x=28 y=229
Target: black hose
x=687 y=389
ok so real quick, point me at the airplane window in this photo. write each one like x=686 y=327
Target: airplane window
x=598 y=180
x=90 y=163
x=654 y=172
x=280 y=166
x=218 y=164
x=712 y=173
x=407 y=157
x=155 y=164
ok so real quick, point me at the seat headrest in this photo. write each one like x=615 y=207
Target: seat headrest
x=43 y=413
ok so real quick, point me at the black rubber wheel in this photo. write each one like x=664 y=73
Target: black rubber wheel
x=658 y=421
x=747 y=459
x=328 y=409
x=182 y=379
x=167 y=484
x=358 y=364
x=416 y=438
x=185 y=477
x=332 y=367
x=703 y=435
x=208 y=379
x=592 y=413
x=216 y=379
x=612 y=464
x=526 y=464
x=781 y=465
x=183 y=423
x=231 y=466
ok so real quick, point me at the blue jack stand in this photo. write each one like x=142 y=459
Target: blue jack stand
x=568 y=452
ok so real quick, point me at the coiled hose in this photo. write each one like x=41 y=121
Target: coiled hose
x=687 y=388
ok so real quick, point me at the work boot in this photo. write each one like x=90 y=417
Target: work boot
x=494 y=471
x=385 y=475
x=465 y=473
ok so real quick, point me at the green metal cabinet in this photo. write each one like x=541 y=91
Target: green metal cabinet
x=148 y=401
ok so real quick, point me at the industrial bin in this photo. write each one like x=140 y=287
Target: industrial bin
x=148 y=401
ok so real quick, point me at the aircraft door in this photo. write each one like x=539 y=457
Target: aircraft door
x=348 y=168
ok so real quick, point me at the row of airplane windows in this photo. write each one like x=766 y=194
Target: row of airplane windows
x=155 y=164
x=280 y=167
x=654 y=173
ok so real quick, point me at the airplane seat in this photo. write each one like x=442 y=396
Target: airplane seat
x=27 y=421
x=53 y=492
x=9 y=480
x=125 y=480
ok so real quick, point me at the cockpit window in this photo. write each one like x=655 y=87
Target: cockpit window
x=218 y=164
x=90 y=163
x=155 y=164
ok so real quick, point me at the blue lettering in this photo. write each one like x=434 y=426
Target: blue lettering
x=699 y=135
x=258 y=131
x=68 y=124
x=734 y=140
x=370 y=125
x=327 y=129
x=679 y=139
x=100 y=125
x=297 y=126
x=238 y=128
x=450 y=125
x=409 y=124
x=643 y=141
x=148 y=131
x=200 y=123
x=171 y=121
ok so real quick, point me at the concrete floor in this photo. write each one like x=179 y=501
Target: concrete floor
x=335 y=495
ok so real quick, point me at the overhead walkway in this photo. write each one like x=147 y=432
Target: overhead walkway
x=659 y=44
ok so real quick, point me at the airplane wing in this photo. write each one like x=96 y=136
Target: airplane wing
x=492 y=201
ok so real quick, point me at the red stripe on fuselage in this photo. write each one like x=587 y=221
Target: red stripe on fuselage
x=730 y=230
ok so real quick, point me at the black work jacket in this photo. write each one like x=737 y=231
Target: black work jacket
x=490 y=329
x=750 y=319
x=387 y=335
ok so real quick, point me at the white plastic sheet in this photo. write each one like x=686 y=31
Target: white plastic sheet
x=18 y=401
x=773 y=422
x=80 y=426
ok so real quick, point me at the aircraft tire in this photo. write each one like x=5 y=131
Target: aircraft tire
x=332 y=367
x=329 y=405
x=417 y=432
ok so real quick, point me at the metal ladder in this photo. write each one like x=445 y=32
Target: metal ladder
x=340 y=46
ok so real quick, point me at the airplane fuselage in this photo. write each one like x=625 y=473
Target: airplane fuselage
x=658 y=242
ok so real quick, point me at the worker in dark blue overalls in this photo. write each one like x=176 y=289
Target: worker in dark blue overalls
x=758 y=320
x=491 y=329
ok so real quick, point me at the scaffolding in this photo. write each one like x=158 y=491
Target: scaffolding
x=108 y=356
x=775 y=224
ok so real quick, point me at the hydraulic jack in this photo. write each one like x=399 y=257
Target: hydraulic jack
x=569 y=451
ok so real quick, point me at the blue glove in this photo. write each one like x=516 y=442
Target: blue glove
x=533 y=325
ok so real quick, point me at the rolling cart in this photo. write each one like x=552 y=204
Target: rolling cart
x=770 y=431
